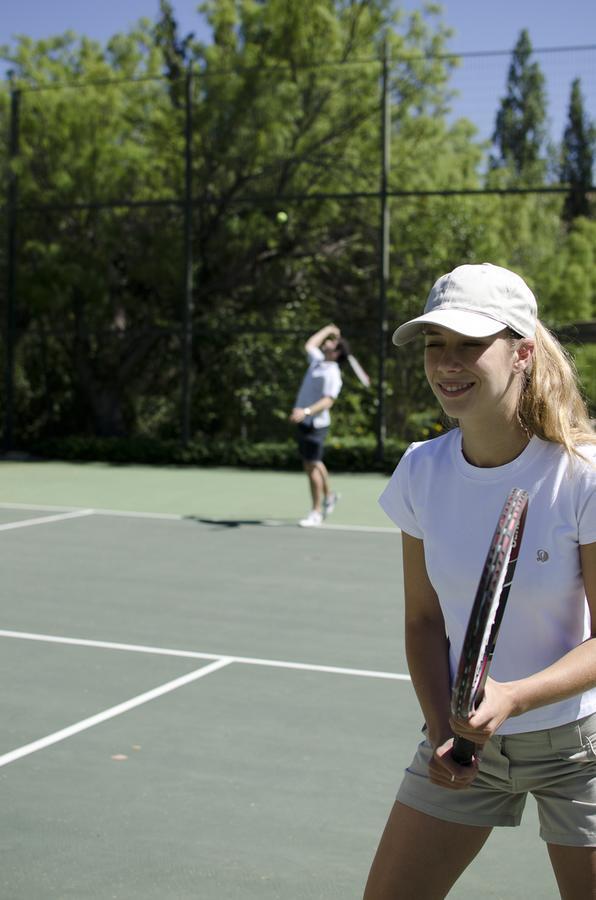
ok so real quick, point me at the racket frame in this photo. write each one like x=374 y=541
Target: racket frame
x=486 y=616
x=358 y=371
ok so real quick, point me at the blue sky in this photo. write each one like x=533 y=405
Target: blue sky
x=477 y=24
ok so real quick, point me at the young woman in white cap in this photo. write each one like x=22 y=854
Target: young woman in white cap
x=521 y=422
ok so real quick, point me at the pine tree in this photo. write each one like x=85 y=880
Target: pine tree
x=175 y=50
x=520 y=133
x=579 y=142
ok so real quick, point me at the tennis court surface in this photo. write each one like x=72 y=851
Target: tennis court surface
x=200 y=699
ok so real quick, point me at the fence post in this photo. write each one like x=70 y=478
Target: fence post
x=384 y=250
x=187 y=311
x=11 y=267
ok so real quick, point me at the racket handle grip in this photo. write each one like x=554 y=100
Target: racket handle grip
x=463 y=751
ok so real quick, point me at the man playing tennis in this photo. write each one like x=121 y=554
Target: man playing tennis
x=512 y=391
x=326 y=350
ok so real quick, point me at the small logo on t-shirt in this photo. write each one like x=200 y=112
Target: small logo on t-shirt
x=542 y=556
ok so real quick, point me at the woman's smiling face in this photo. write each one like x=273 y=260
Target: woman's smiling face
x=471 y=376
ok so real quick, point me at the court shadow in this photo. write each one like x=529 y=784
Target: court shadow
x=234 y=523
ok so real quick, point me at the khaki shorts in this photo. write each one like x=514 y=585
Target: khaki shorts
x=557 y=766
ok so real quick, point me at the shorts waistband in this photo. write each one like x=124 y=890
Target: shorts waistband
x=558 y=738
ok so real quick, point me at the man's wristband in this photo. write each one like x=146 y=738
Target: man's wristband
x=307 y=411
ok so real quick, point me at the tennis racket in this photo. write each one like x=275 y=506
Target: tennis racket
x=485 y=618
x=358 y=371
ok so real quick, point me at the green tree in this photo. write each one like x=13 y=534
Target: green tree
x=175 y=50
x=93 y=294
x=286 y=128
x=287 y=109
x=577 y=164
x=568 y=284
x=520 y=133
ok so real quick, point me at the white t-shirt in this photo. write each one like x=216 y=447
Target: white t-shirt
x=437 y=496
x=322 y=379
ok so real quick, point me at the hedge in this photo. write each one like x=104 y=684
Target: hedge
x=347 y=454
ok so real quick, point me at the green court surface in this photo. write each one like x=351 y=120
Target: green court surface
x=206 y=701
x=208 y=493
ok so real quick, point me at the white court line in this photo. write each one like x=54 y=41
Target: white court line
x=98 y=512
x=43 y=520
x=192 y=654
x=176 y=517
x=113 y=711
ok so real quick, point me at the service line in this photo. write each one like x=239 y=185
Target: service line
x=113 y=711
x=195 y=654
x=43 y=520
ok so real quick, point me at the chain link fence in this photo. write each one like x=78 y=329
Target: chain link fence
x=168 y=245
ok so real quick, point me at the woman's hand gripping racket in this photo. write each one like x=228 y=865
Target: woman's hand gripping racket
x=485 y=618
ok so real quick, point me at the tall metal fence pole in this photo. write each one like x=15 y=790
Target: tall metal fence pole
x=11 y=269
x=384 y=251
x=187 y=311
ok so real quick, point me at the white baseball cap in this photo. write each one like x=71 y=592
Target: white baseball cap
x=477 y=301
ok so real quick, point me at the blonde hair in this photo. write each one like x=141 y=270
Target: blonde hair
x=551 y=405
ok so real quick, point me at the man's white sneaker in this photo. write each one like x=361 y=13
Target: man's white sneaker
x=329 y=503
x=312 y=520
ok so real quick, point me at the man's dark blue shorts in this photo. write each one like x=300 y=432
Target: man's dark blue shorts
x=311 y=441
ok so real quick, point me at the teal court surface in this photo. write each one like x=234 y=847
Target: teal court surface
x=200 y=699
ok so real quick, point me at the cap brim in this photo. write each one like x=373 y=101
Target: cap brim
x=461 y=321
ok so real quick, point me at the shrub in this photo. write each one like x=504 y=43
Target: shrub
x=343 y=454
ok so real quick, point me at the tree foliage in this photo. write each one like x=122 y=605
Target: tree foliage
x=91 y=294
x=520 y=130
x=285 y=153
x=577 y=163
